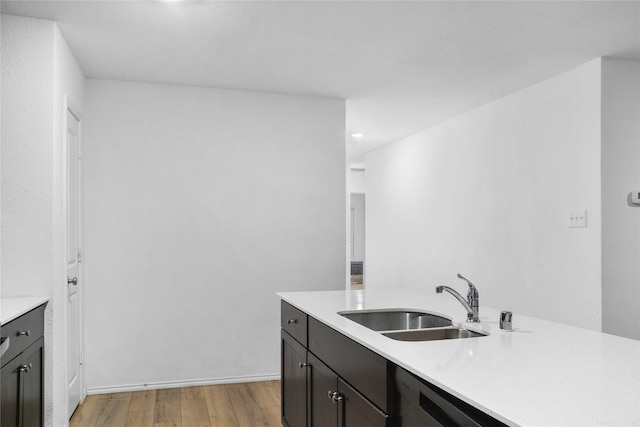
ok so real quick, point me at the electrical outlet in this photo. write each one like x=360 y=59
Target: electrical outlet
x=577 y=219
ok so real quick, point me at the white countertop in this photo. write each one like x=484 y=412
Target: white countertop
x=10 y=308
x=540 y=374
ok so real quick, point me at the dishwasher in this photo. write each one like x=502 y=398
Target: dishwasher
x=424 y=405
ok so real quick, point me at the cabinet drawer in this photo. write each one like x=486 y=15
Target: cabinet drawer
x=22 y=332
x=368 y=372
x=294 y=322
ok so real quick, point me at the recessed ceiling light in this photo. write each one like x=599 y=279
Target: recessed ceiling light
x=357 y=135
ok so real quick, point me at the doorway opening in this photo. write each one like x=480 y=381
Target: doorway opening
x=357 y=227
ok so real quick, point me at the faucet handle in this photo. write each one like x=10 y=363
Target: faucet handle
x=472 y=294
x=460 y=276
x=472 y=289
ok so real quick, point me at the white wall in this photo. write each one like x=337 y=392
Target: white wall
x=38 y=74
x=487 y=194
x=620 y=175
x=357 y=182
x=200 y=205
x=27 y=152
x=68 y=87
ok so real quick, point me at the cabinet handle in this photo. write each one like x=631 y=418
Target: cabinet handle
x=335 y=396
x=25 y=368
x=27 y=333
x=290 y=321
x=73 y=281
x=303 y=364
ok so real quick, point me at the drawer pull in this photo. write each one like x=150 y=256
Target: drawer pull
x=25 y=333
x=290 y=321
x=25 y=368
x=303 y=364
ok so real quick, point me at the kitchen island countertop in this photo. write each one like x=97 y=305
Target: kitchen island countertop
x=541 y=374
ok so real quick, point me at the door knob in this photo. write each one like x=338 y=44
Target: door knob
x=73 y=281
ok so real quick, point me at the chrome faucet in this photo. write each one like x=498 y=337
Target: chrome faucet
x=471 y=304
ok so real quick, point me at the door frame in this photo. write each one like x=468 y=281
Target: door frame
x=69 y=107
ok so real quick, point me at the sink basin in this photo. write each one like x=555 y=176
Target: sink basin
x=432 y=334
x=393 y=320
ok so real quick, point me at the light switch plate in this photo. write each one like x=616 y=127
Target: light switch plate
x=578 y=218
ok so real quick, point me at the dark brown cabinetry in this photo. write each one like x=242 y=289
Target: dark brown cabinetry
x=294 y=382
x=369 y=373
x=324 y=397
x=21 y=375
x=328 y=380
x=332 y=402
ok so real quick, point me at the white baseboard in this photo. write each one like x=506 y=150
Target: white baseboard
x=175 y=384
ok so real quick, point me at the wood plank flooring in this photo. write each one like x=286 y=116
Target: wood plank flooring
x=226 y=405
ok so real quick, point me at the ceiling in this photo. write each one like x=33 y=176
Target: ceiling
x=402 y=66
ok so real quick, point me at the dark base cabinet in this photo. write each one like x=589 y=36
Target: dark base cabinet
x=358 y=411
x=323 y=404
x=21 y=375
x=9 y=389
x=294 y=382
x=369 y=373
x=33 y=395
x=332 y=402
x=318 y=388
x=329 y=380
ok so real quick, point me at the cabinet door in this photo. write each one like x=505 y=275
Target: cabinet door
x=32 y=385
x=294 y=382
x=358 y=411
x=9 y=393
x=323 y=383
x=21 y=389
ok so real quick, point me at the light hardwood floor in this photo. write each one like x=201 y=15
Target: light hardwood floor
x=225 y=405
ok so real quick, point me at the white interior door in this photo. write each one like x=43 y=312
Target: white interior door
x=74 y=372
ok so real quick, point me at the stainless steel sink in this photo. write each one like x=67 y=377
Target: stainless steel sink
x=432 y=334
x=393 y=320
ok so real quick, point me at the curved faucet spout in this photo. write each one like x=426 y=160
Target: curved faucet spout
x=471 y=304
x=455 y=293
